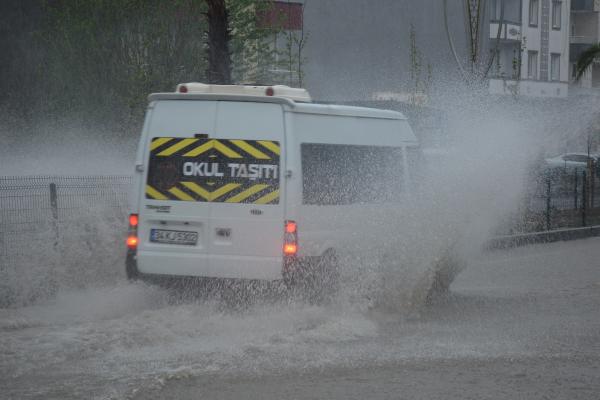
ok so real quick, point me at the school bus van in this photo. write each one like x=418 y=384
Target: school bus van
x=258 y=183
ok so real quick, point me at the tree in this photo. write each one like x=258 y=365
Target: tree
x=219 y=36
x=586 y=59
x=293 y=53
x=103 y=57
x=256 y=28
x=97 y=60
x=252 y=51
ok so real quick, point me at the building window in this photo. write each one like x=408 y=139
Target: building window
x=555 y=67
x=534 y=7
x=556 y=14
x=532 y=66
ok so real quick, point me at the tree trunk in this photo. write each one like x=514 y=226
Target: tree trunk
x=219 y=59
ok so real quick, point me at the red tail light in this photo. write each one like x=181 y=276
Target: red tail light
x=290 y=244
x=132 y=239
x=132 y=242
x=290 y=249
x=290 y=227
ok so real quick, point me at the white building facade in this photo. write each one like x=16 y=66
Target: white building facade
x=532 y=50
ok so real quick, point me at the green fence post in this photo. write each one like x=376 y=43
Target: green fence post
x=584 y=199
x=575 y=191
x=548 y=201
x=54 y=209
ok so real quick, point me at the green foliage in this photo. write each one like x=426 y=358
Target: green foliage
x=97 y=60
x=264 y=54
x=104 y=56
x=293 y=60
x=253 y=52
x=586 y=59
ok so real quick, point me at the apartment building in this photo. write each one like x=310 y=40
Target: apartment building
x=530 y=39
x=584 y=31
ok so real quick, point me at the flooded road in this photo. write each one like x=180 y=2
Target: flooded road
x=518 y=323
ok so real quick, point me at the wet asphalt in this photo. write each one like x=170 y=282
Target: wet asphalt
x=518 y=324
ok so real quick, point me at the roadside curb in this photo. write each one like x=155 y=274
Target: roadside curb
x=525 y=239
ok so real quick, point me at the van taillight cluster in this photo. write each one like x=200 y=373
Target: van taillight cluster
x=290 y=245
x=132 y=239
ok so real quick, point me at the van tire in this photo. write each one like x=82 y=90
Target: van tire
x=131 y=269
x=321 y=280
x=445 y=272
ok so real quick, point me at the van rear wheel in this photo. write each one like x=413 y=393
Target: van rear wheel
x=131 y=267
x=320 y=282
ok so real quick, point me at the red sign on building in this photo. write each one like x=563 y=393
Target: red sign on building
x=281 y=15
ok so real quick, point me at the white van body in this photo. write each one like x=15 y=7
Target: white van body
x=219 y=174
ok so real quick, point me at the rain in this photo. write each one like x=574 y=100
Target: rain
x=464 y=264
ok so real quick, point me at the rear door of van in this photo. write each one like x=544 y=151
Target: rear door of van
x=212 y=200
x=247 y=224
x=173 y=231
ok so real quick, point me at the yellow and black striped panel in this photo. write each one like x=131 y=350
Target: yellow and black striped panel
x=231 y=149
x=214 y=170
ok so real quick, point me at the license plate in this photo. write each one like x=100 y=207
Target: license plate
x=173 y=237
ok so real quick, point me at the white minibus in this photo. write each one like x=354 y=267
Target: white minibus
x=259 y=183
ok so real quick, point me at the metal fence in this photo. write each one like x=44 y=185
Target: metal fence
x=58 y=230
x=558 y=199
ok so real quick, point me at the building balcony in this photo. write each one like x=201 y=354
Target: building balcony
x=584 y=6
x=530 y=88
x=511 y=31
x=575 y=39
